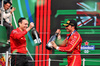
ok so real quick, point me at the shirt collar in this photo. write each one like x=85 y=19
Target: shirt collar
x=18 y=29
x=70 y=33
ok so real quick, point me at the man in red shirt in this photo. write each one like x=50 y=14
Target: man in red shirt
x=18 y=43
x=71 y=45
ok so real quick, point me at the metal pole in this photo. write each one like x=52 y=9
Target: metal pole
x=83 y=61
x=10 y=62
x=14 y=20
x=6 y=58
x=30 y=55
x=49 y=62
x=2 y=15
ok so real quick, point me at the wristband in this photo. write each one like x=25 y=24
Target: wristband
x=57 y=48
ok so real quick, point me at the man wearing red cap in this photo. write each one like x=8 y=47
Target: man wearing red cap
x=72 y=44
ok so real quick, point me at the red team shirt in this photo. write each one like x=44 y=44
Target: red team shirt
x=18 y=41
x=73 y=46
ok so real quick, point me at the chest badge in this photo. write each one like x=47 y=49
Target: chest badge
x=21 y=38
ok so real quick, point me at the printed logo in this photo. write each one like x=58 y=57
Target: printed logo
x=87 y=47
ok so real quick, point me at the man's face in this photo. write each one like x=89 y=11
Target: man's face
x=7 y=6
x=23 y=26
x=69 y=28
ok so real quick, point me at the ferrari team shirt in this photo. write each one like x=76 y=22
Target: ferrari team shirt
x=18 y=41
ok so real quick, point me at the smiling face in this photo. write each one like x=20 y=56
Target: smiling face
x=23 y=25
x=7 y=6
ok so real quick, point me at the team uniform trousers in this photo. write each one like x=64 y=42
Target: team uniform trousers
x=19 y=60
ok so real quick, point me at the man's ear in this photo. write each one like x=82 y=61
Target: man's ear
x=19 y=24
x=73 y=27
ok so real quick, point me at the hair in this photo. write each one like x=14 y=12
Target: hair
x=76 y=28
x=20 y=20
x=75 y=24
x=5 y=2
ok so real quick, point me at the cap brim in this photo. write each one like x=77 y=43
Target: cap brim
x=66 y=25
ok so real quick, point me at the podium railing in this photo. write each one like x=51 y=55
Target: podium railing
x=84 y=60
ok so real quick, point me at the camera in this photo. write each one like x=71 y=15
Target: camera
x=11 y=7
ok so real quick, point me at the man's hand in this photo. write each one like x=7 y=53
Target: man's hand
x=10 y=24
x=12 y=10
x=30 y=26
x=59 y=36
x=58 y=31
x=54 y=44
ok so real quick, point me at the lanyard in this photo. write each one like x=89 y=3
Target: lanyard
x=71 y=34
